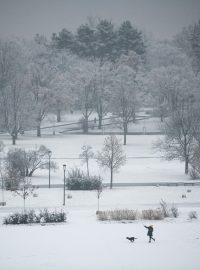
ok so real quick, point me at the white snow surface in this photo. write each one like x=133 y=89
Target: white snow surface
x=83 y=242
x=143 y=163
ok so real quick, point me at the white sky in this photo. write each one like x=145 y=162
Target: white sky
x=162 y=18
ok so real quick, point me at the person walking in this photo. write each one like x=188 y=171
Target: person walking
x=150 y=232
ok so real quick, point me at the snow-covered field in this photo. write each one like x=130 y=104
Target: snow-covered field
x=83 y=242
x=143 y=163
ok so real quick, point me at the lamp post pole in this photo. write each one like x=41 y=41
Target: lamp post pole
x=49 y=155
x=64 y=169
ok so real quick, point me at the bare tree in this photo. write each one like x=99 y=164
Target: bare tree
x=13 y=95
x=179 y=140
x=125 y=97
x=195 y=163
x=25 y=163
x=112 y=156
x=83 y=84
x=25 y=190
x=102 y=90
x=86 y=155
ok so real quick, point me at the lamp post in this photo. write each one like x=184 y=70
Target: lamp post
x=49 y=155
x=64 y=169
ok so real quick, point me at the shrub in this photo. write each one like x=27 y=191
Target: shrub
x=152 y=214
x=123 y=214
x=174 y=211
x=117 y=215
x=44 y=216
x=102 y=215
x=78 y=180
x=164 y=208
x=193 y=215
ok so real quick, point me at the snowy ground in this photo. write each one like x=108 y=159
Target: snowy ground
x=85 y=243
x=143 y=163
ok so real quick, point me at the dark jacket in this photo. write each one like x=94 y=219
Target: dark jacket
x=150 y=230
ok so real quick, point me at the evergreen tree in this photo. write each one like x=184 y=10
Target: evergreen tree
x=189 y=41
x=64 y=40
x=85 y=41
x=106 y=40
x=129 y=39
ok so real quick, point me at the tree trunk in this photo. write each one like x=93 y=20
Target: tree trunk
x=186 y=165
x=30 y=173
x=111 y=178
x=38 y=131
x=186 y=155
x=125 y=132
x=85 y=125
x=100 y=122
x=14 y=139
x=88 y=173
x=100 y=116
x=58 y=115
x=98 y=206
x=24 y=205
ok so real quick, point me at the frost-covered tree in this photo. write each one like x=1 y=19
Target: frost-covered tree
x=168 y=85
x=41 y=72
x=24 y=163
x=189 y=41
x=112 y=156
x=164 y=54
x=83 y=87
x=25 y=190
x=62 y=95
x=102 y=89
x=86 y=155
x=14 y=99
x=125 y=94
x=179 y=132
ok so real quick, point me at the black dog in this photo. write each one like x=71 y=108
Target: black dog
x=132 y=239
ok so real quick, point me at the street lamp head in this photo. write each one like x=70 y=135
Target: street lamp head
x=64 y=167
x=49 y=153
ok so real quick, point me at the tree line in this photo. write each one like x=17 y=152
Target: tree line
x=105 y=69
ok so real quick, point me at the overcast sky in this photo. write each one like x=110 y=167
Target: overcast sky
x=162 y=18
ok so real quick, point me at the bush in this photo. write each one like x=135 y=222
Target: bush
x=117 y=215
x=44 y=216
x=102 y=215
x=125 y=214
x=152 y=214
x=193 y=215
x=78 y=180
x=174 y=211
x=164 y=209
